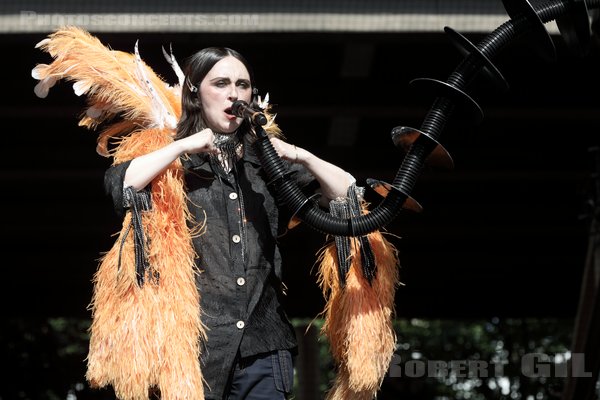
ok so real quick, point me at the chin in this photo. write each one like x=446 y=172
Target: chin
x=231 y=128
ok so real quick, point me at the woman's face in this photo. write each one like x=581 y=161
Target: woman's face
x=226 y=82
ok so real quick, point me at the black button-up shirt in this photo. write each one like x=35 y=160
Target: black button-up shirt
x=238 y=259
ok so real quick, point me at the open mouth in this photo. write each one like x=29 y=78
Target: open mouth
x=228 y=111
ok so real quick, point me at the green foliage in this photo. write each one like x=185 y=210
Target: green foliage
x=46 y=359
x=476 y=359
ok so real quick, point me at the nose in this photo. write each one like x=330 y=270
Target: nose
x=233 y=93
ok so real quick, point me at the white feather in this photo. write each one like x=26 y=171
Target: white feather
x=81 y=87
x=263 y=103
x=38 y=71
x=171 y=122
x=161 y=114
x=41 y=43
x=43 y=87
x=173 y=62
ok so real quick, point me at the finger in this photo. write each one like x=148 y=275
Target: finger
x=211 y=148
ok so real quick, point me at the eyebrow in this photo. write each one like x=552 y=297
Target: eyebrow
x=223 y=78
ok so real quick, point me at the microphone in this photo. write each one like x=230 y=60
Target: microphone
x=241 y=109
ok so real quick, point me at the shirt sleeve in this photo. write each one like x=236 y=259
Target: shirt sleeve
x=113 y=186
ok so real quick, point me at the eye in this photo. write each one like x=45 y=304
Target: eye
x=244 y=84
x=220 y=83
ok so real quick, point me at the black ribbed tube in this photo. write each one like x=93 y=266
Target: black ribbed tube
x=288 y=192
x=493 y=43
x=276 y=171
x=551 y=10
x=409 y=171
x=436 y=118
x=413 y=162
x=593 y=3
x=442 y=108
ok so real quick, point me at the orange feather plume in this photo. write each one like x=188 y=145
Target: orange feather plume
x=141 y=337
x=117 y=84
x=358 y=318
x=149 y=337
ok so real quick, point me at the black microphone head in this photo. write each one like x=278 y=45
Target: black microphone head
x=238 y=107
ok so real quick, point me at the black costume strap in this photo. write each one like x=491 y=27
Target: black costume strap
x=137 y=201
x=340 y=208
x=346 y=208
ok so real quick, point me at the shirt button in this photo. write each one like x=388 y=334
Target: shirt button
x=236 y=238
x=241 y=281
x=240 y=324
x=233 y=195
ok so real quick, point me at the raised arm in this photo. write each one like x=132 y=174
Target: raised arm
x=144 y=169
x=334 y=181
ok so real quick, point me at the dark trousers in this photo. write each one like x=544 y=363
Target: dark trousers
x=267 y=376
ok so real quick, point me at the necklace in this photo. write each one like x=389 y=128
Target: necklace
x=230 y=147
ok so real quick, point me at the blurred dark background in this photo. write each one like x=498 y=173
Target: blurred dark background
x=502 y=235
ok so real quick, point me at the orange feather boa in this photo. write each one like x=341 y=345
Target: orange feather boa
x=358 y=318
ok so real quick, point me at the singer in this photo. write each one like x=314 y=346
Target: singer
x=249 y=346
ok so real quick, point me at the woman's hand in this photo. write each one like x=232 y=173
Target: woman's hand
x=199 y=142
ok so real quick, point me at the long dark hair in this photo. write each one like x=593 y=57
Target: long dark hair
x=195 y=69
